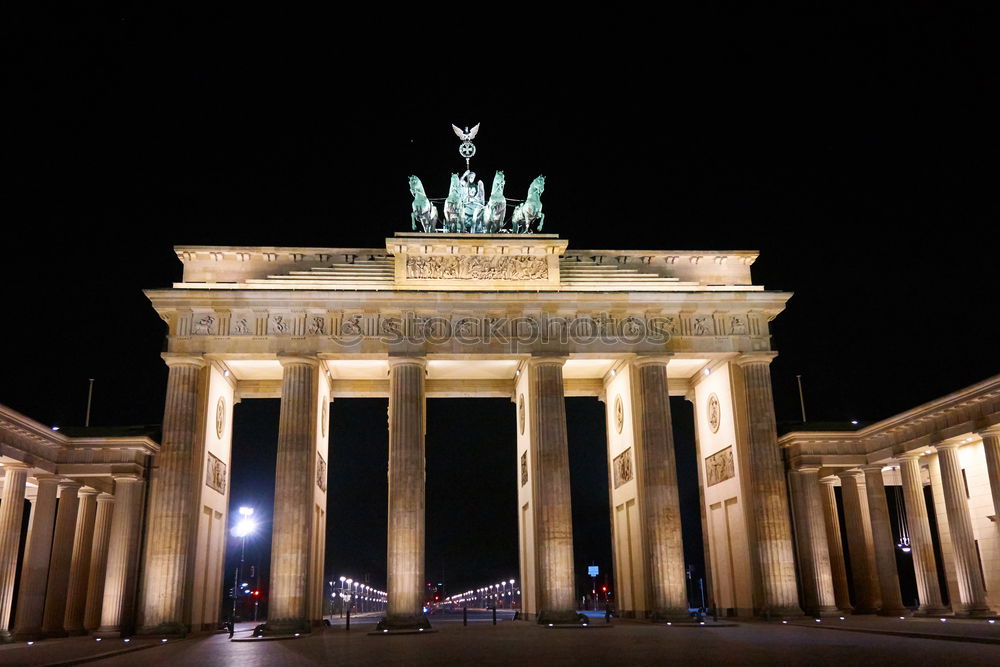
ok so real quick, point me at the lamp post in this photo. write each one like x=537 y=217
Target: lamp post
x=245 y=526
x=342 y=580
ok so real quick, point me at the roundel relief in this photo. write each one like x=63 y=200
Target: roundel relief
x=714 y=413
x=619 y=413
x=220 y=417
x=325 y=417
x=520 y=413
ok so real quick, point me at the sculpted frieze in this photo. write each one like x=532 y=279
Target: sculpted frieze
x=472 y=328
x=476 y=267
x=719 y=466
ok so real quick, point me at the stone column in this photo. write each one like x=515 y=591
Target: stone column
x=79 y=571
x=553 y=509
x=118 y=608
x=288 y=611
x=172 y=508
x=921 y=544
x=835 y=546
x=885 y=548
x=971 y=588
x=991 y=447
x=35 y=568
x=658 y=495
x=814 y=555
x=407 y=473
x=11 y=516
x=61 y=560
x=860 y=543
x=769 y=500
x=98 y=562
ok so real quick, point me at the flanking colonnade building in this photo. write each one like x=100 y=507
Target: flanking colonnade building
x=519 y=317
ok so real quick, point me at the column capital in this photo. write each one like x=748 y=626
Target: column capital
x=855 y=473
x=650 y=359
x=69 y=485
x=953 y=443
x=88 y=491
x=545 y=360
x=47 y=478
x=105 y=498
x=829 y=480
x=807 y=468
x=297 y=360
x=914 y=455
x=755 y=358
x=873 y=467
x=126 y=477
x=989 y=432
x=14 y=465
x=172 y=359
x=407 y=361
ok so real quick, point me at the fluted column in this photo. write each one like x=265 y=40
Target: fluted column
x=407 y=473
x=659 y=498
x=814 y=555
x=35 y=567
x=860 y=543
x=769 y=500
x=293 y=498
x=921 y=544
x=11 y=516
x=98 y=562
x=971 y=588
x=991 y=447
x=835 y=545
x=61 y=560
x=885 y=548
x=553 y=509
x=172 y=508
x=79 y=570
x=118 y=609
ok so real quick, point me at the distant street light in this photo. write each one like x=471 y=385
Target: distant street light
x=244 y=527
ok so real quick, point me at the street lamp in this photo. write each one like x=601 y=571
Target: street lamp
x=342 y=580
x=245 y=526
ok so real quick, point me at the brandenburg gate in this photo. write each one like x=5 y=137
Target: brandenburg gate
x=428 y=315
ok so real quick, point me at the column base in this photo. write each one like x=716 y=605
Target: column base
x=780 y=612
x=900 y=611
x=976 y=612
x=417 y=622
x=825 y=612
x=109 y=633
x=560 y=617
x=32 y=635
x=287 y=626
x=861 y=611
x=671 y=614
x=6 y=637
x=932 y=611
x=177 y=630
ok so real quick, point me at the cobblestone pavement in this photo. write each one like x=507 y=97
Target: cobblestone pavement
x=623 y=643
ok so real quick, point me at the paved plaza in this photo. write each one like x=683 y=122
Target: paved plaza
x=854 y=641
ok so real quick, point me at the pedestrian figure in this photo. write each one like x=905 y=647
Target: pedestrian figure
x=231 y=627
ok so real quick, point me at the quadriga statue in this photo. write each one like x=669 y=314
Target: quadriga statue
x=422 y=210
x=530 y=210
x=496 y=208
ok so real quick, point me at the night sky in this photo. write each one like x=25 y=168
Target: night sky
x=855 y=151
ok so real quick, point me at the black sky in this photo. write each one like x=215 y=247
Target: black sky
x=855 y=150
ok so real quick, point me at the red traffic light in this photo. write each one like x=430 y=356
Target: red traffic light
x=604 y=589
x=256 y=592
